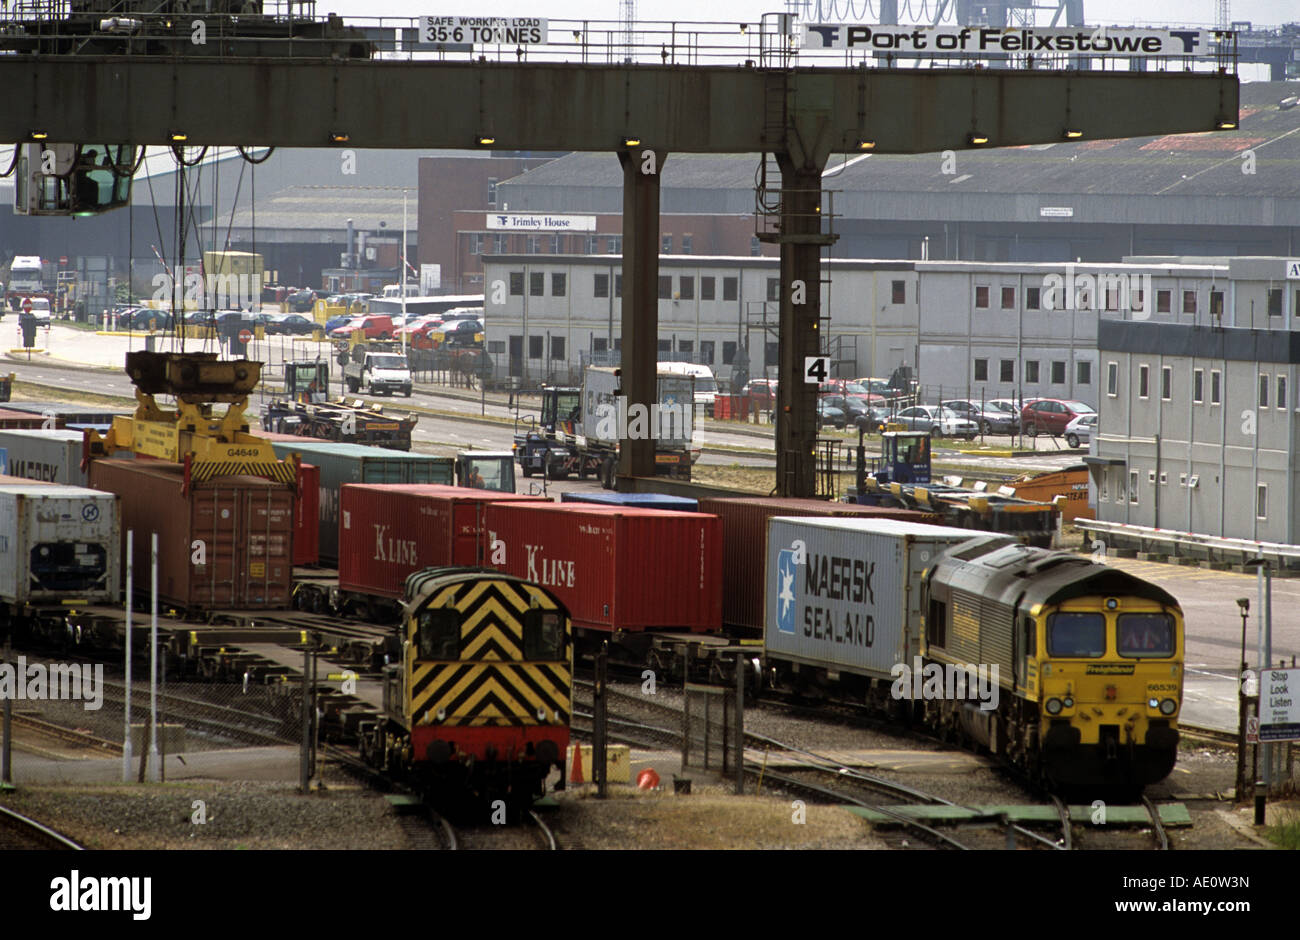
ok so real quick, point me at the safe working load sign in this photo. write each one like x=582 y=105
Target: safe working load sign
x=515 y=30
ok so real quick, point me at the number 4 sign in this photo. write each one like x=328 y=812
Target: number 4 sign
x=816 y=368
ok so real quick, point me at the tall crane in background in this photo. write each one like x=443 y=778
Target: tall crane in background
x=627 y=14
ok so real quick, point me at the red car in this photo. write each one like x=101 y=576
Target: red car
x=372 y=327
x=419 y=335
x=1051 y=415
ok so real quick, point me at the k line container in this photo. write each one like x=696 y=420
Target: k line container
x=389 y=531
x=744 y=544
x=357 y=463
x=852 y=602
x=643 y=500
x=617 y=568
x=58 y=543
x=227 y=544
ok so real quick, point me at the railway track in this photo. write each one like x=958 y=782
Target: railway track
x=19 y=832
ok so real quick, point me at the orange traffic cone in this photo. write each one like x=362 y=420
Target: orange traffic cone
x=576 y=775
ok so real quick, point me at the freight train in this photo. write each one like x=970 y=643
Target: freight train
x=479 y=704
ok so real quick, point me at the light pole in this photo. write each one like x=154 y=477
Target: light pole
x=1243 y=603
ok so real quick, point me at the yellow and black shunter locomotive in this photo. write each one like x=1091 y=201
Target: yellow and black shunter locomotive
x=1089 y=657
x=480 y=703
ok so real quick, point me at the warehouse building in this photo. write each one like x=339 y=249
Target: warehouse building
x=1198 y=416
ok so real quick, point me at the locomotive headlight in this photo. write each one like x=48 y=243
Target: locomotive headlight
x=1153 y=703
x=1054 y=706
x=541 y=713
x=441 y=714
x=1069 y=702
x=1168 y=707
x=1111 y=603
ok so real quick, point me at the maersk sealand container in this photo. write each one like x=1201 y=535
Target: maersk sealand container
x=356 y=463
x=58 y=543
x=845 y=593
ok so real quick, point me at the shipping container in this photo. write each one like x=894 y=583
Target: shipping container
x=388 y=531
x=20 y=419
x=615 y=567
x=306 y=516
x=227 y=544
x=66 y=416
x=845 y=593
x=51 y=456
x=644 y=500
x=744 y=545
x=357 y=463
x=58 y=543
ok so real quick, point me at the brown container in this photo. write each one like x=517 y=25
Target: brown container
x=744 y=544
x=227 y=544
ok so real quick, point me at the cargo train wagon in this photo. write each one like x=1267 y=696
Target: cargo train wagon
x=480 y=702
x=1069 y=670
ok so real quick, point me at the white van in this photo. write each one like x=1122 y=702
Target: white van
x=706 y=385
x=41 y=310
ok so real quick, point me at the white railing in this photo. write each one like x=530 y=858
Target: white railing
x=1188 y=542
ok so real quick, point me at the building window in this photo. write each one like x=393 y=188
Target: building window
x=1007 y=370
x=557 y=347
x=618 y=344
x=1275 y=302
x=1198 y=385
x=774 y=288
x=1103 y=484
x=532 y=245
x=555 y=244
x=1008 y=298
x=687 y=287
x=771 y=355
x=1164 y=300
x=1083 y=372
x=730 y=288
x=599 y=344
x=1112 y=379
x=535 y=347
x=706 y=352
x=1133 y=487
x=476 y=244
x=1295 y=307
x=1138 y=300
x=1280 y=401
x=665 y=348
x=536 y=284
x=1263 y=390
x=618 y=285
x=1111 y=300
x=1031 y=371
x=981 y=370
x=558 y=285
x=898 y=292
x=1166 y=383
x=1189 y=301
x=1216 y=303
x=728 y=352
x=1144 y=381
x=1119 y=488
x=1058 y=373
x=981 y=297
x=1083 y=297
x=600 y=285
x=665 y=287
x=614 y=245
x=755 y=246
x=1033 y=297
x=500 y=244
x=1216 y=387
x=593 y=246
x=1261 y=501
x=492 y=193
x=686 y=347
x=687 y=243
x=516 y=283
x=707 y=288
x=667 y=248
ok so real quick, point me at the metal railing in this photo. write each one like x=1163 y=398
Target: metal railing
x=777 y=41
x=1191 y=544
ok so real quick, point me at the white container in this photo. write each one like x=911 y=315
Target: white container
x=59 y=543
x=853 y=602
x=50 y=456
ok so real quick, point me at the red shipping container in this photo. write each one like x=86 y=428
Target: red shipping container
x=617 y=567
x=244 y=524
x=389 y=530
x=744 y=544
x=306 y=516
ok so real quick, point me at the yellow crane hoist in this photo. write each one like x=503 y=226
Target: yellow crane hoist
x=209 y=445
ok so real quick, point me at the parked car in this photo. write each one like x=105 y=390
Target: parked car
x=876 y=419
x=291 y=324
x=1051 y=415
x=372 y=326
x=146 y=318
x=301 y=301
x=829 y=414
x=333 y=323
x=762 y=391
x=40 y=310
x=460 y=333
x=989 y=420
x=851 y=405
x=1079 y=431
x=939 y=421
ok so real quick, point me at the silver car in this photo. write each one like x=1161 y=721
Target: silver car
x=939 y=421
x=1079 y=431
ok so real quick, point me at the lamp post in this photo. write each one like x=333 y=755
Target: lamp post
x=1243 y=700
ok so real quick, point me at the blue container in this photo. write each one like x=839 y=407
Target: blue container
x=640 y=500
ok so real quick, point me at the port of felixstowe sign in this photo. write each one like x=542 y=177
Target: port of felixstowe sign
x=965 y=40
x=525 y=222
x=515 y=30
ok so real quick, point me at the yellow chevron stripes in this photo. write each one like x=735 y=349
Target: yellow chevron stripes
x=203 y=470
x=484 y=693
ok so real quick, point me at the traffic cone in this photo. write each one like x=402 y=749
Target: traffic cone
x=576 y=775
